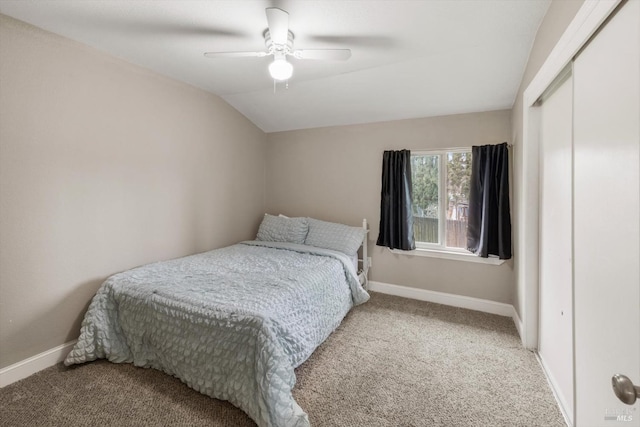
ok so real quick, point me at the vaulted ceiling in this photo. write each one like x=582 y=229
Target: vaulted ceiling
x=410 y=58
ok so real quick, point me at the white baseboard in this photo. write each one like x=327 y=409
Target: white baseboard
x=461 y=301
x=553 y=384
x=453 y=300
x=34 y=364
x=518 y=322
x=41 y=361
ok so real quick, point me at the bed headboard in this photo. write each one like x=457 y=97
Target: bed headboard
x=363 y=275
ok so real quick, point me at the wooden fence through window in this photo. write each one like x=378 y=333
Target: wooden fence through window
x=426 y=230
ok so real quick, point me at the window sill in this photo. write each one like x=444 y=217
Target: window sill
x=457 y=256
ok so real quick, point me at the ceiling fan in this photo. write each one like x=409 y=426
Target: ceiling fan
x=279 y=42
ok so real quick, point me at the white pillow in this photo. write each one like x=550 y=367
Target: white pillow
x=282 y=229
x=331 y=235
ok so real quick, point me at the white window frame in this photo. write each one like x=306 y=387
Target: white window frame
x=442 y=199
x=440 y=250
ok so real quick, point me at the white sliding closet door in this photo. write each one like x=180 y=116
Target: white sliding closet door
x=555 y=345
x=606 y=77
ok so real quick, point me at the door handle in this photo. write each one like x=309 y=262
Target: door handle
x=625 y=390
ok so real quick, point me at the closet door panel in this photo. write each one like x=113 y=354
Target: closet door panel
x=555 y=345
x=607 y=218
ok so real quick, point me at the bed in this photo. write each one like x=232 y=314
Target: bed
x=233 y=323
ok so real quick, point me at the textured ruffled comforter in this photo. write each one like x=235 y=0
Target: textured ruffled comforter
x=232 y=323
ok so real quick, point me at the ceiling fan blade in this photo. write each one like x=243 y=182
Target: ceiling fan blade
x=278 y=21
x=235 y=54
x=331 y=54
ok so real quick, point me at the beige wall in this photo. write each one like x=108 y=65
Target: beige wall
x=105 y=166
x=334 y=173
x=555 y=22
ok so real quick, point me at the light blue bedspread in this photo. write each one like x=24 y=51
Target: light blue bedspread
x=232 y=323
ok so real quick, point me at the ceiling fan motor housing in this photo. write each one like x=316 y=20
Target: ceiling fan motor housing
x=273 y=48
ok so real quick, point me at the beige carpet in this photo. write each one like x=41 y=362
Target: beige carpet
x=392 y=362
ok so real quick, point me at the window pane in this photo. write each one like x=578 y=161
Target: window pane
x=424 y=176
x=458 y=178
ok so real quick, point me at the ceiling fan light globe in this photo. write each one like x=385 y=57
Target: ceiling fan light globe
x=280 y=69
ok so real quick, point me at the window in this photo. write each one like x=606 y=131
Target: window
x=441 y=198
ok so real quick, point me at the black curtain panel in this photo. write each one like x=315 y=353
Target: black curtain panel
x=489 y=231
x=396 y=216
